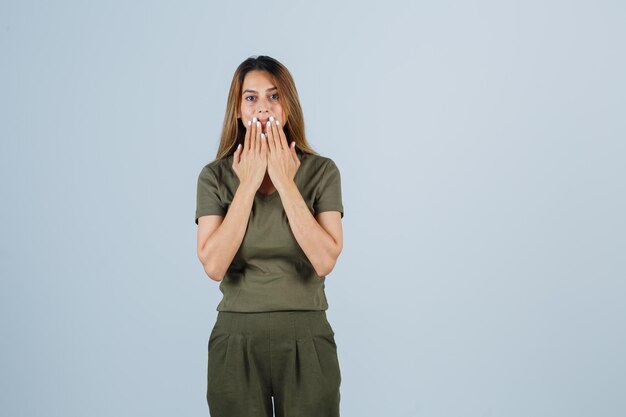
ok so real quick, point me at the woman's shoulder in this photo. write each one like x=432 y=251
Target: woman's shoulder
x=315 y=161
x=218 y=166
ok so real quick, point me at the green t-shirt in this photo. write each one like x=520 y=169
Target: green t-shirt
x=270 y=272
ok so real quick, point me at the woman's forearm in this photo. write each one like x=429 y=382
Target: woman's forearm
x=220 y=248
x=317 y=244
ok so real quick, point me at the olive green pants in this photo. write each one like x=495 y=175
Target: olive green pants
x=290 y=356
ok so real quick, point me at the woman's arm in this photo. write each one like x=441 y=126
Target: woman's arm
x=320 y=237
x=219 y=238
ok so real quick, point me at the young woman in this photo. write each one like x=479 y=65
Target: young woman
x=269 y=212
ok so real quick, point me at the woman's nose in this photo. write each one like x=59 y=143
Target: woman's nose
x=264 y=106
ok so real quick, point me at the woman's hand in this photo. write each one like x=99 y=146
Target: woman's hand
x=282 y=160
x=250 y=160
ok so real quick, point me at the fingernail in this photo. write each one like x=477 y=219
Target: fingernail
x=254 y=119
x=249 y=122
x=272 y=118
x=268 y=124
x=258 y=124
x=277 y=122
x=238 y=146
x=262 y=136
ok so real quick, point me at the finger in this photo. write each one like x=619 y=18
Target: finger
x=246 y=138
x=259 y=130
x=280 y=140
x=270 y=139
x=292 y=148
x=270 y=128
x=275 y=137
x=251 y=135
x=282 y=134
x=237 y=155
x=264 y=147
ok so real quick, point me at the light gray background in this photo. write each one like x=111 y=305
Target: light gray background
x=481 y=147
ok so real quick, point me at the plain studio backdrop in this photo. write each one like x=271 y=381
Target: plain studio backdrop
x=482 y=152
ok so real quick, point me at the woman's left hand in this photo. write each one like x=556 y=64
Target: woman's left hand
x=282 y=160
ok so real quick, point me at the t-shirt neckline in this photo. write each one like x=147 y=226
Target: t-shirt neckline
x=266 y=196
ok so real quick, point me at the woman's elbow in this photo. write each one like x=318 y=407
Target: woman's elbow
x=327 y=268
x=212 y=272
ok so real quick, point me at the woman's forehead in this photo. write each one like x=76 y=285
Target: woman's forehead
x=258 y=79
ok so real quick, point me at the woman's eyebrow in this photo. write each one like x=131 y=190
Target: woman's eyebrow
x=254 y=91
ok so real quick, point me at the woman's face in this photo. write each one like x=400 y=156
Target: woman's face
x=260 y=99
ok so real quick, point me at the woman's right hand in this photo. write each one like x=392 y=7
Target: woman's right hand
x=250 y=160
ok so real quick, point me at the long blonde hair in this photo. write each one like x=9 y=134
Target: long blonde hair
x=234 y=131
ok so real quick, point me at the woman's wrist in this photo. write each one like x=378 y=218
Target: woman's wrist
x=247 y=189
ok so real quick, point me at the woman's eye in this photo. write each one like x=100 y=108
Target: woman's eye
x=274 y=96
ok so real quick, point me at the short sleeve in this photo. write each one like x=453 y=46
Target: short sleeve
x=208 y=199
x=329 y=197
